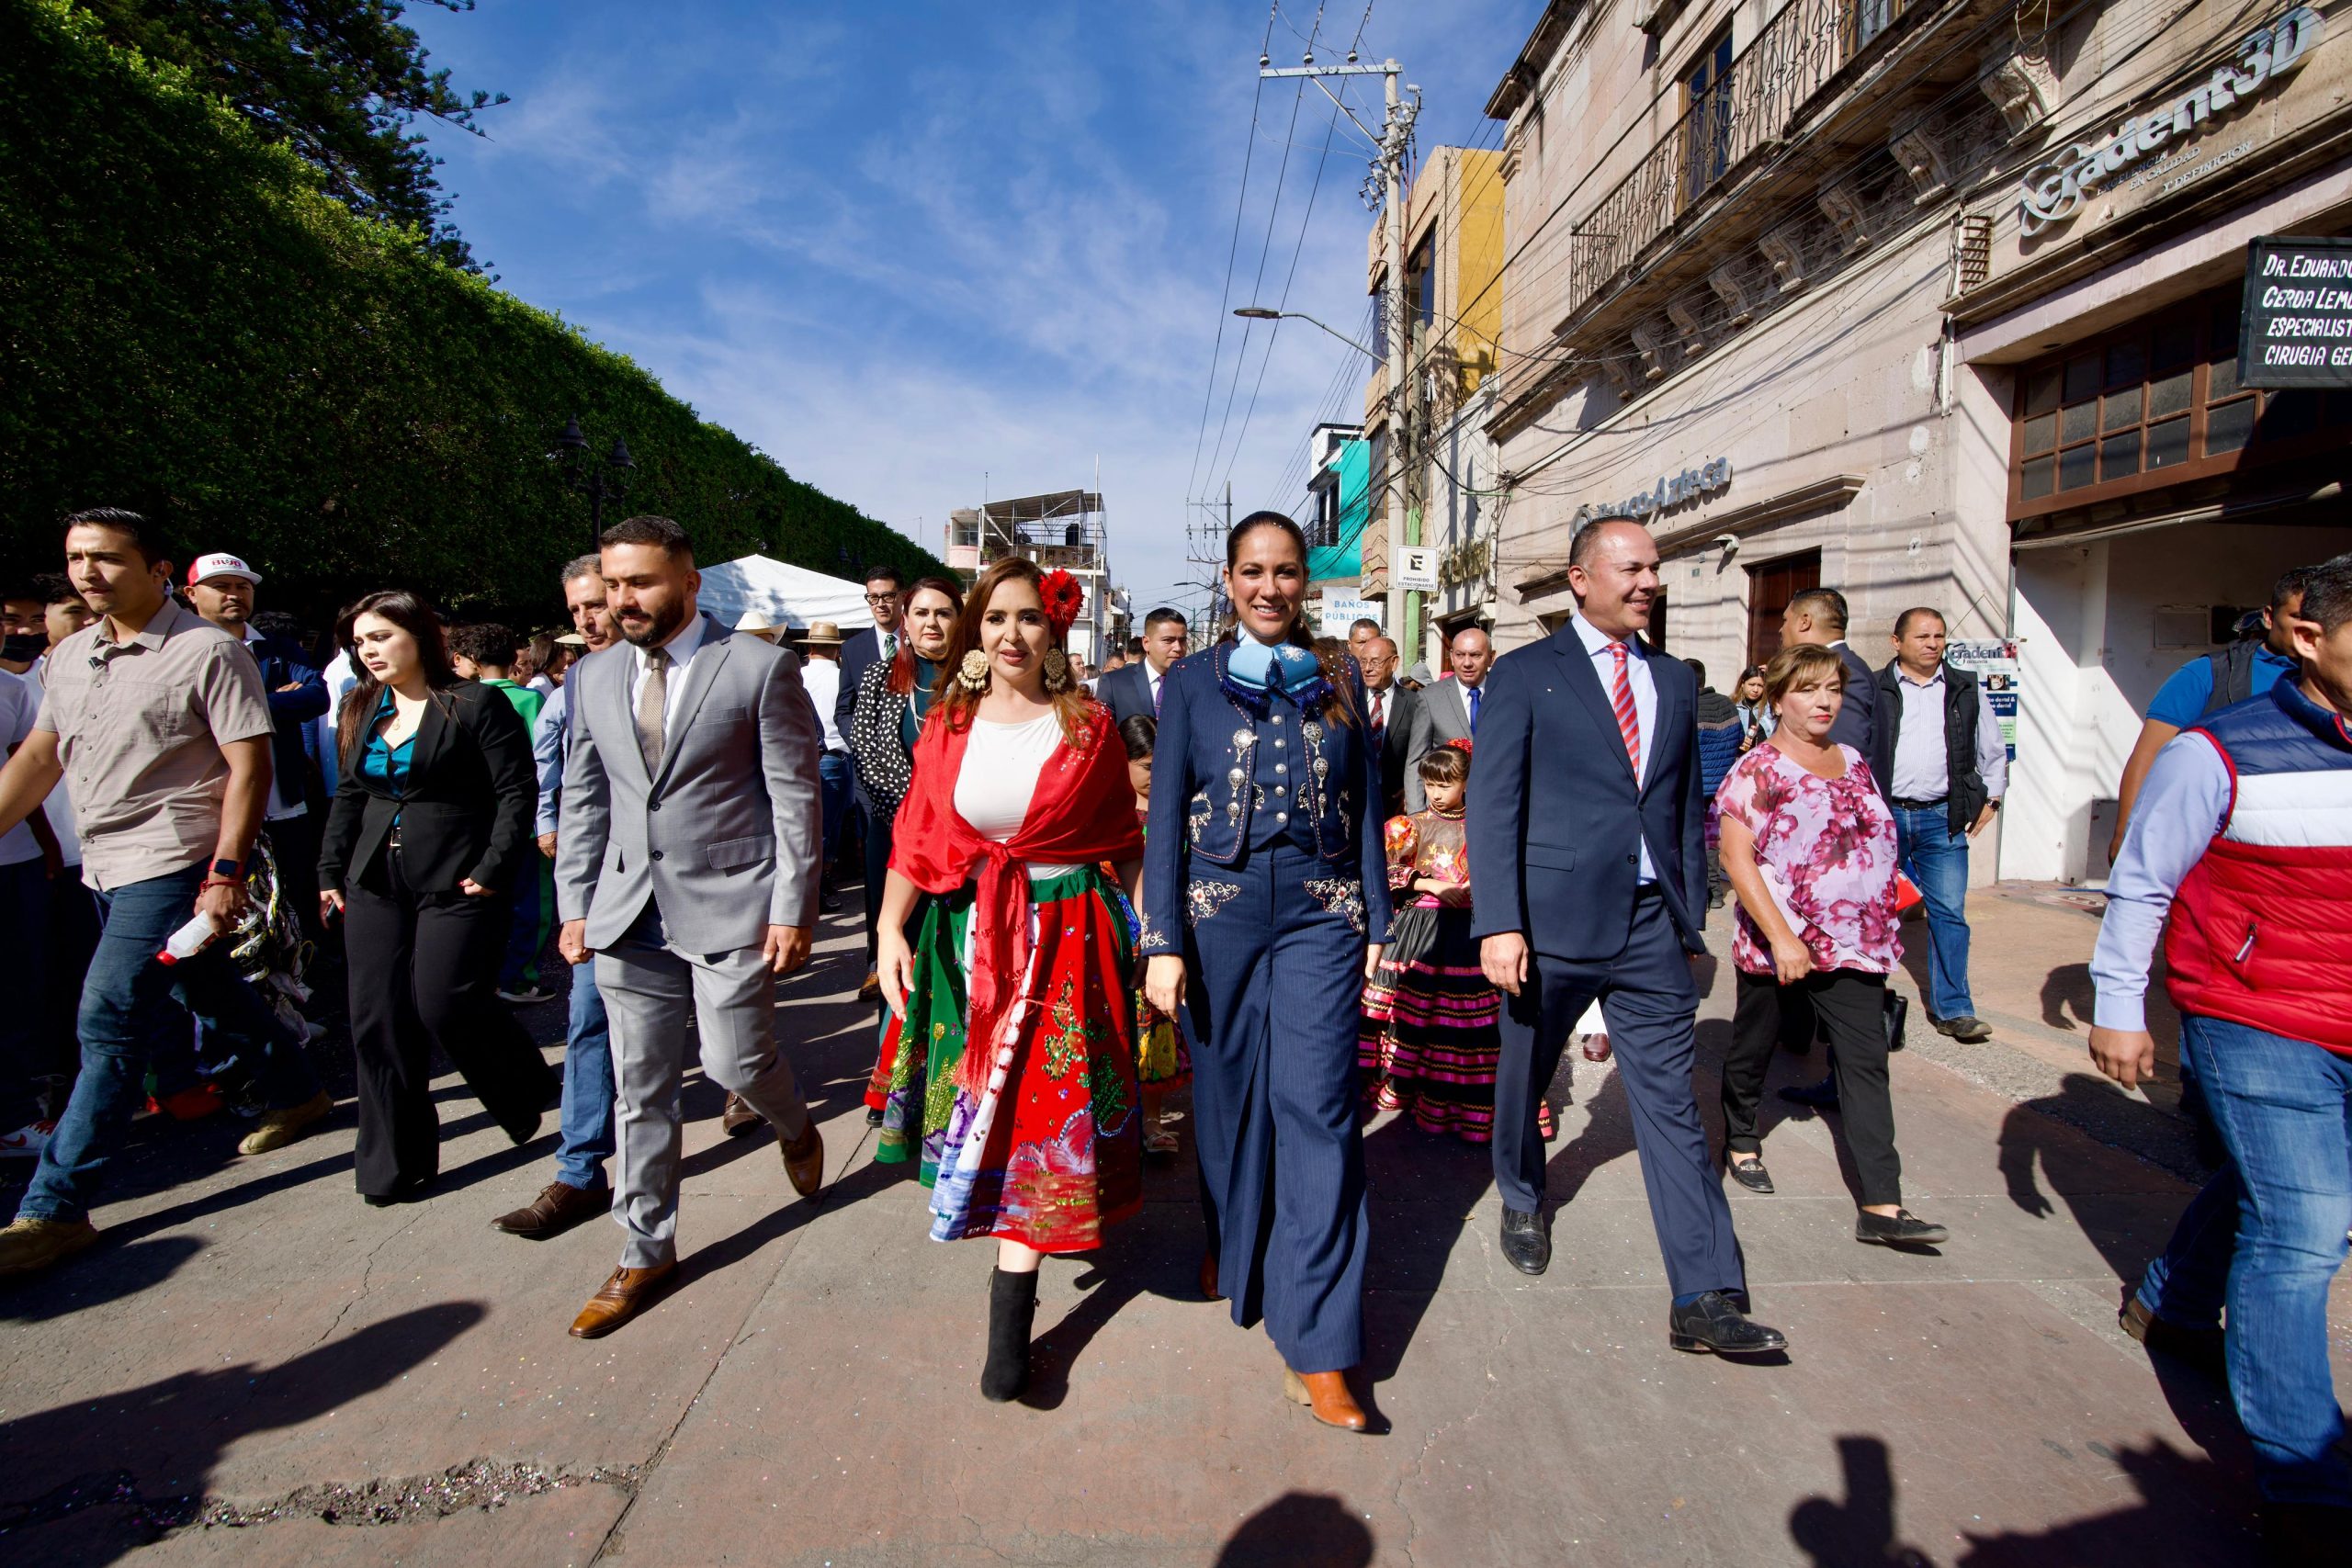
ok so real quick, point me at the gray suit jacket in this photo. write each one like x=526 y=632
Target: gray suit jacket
x=726 y=838
x=1441 y=715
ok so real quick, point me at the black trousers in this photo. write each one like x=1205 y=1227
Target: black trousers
x=1849 y=1005
x=423 y=970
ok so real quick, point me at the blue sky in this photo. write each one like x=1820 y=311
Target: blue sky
x=905 y=246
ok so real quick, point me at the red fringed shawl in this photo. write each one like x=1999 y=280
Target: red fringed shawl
x=1084 y=811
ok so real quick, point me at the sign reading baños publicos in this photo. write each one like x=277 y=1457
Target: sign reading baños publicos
x=2052 y=192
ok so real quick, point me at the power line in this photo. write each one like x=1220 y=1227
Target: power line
x=1233 y=252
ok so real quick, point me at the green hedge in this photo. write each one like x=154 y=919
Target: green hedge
x=188 y=327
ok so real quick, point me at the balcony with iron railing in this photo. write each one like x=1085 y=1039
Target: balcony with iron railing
x=1822 y=84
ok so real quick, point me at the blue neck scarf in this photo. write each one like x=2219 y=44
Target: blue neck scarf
x=1256 y=672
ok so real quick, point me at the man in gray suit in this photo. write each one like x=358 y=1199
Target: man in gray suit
x=687 y=868
x=1448 y=710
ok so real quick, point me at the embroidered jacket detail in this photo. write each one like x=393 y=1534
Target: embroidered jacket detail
x=1340 y=895
x=1204 y=900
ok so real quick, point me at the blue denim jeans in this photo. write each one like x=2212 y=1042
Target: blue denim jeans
x=127 y=1016
x=1936 y=858
x=835 y=781
x=587 y=1114
x=2264 y=1239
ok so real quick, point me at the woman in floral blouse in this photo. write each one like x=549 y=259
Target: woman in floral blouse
x=1809 y=846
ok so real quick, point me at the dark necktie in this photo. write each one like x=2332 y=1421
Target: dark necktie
x=1473 y=693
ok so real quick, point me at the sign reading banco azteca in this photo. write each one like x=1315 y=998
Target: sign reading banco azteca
x=2055 y=191
x=1679 y=490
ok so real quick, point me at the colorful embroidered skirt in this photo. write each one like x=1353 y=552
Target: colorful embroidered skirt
x=1052 y=1151
x=1428 y=1042
x=1162 y=1059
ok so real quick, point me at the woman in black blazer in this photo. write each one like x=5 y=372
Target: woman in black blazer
x=431 y=828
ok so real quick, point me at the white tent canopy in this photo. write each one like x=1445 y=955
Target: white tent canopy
x=787 y=595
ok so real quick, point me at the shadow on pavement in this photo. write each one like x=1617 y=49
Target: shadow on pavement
x=149 y=1471
x=103 y=1274
x=2192 y=1514
x=2038 y=1139
x=1299 y=1530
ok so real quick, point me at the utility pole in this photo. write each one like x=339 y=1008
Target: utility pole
x=1395 y=140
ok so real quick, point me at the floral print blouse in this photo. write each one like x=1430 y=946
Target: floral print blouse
x=1827 y=849
x=1426 y=845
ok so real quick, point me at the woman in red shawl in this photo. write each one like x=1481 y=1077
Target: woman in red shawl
x=1013 y=1019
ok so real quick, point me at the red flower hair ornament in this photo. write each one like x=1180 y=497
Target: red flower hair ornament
x=1063 y=597
x=1461 y=743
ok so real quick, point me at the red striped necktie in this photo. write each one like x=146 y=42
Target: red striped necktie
x=1629 y=718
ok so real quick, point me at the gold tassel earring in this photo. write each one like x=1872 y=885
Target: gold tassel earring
x=1056 y=664
x=973 y=673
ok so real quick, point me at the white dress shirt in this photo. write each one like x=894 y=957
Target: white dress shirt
x=823 y=677
x=682 y=647
x=1922 y=770
x=1644 y=684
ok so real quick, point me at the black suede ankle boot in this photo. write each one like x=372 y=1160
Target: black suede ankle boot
x=1012 y=1307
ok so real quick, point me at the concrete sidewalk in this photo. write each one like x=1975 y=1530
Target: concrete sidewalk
x=255 y=1367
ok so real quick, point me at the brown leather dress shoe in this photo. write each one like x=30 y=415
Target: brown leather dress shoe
x=804 y=1160
x=627 y=1293
x=739 y=1118
x=1208 y=1276
x=556 y=1209
x=870 y=987
x=1325 y=1394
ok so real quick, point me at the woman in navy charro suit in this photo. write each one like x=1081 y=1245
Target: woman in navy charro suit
x=1263 y=871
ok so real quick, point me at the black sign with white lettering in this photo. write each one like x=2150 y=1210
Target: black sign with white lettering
x=2295 y=329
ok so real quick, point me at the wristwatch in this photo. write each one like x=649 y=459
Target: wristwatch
x=233 y=870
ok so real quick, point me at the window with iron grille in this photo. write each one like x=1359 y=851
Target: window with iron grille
x=2152 y=403
x=1707 y=108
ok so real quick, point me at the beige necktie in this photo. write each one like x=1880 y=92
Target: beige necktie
x=651 y=702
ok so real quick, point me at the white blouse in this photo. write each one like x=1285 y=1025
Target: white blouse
x=998 y=779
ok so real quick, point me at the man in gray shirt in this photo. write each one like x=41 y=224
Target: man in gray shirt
x=159 y=724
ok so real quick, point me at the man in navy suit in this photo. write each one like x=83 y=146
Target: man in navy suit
x=886 y=598
x=1133 y=687
x=1590 y=879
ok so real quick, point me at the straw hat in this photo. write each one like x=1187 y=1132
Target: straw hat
x=822 y=634
x=756 y=622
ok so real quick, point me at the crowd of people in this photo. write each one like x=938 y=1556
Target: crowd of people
x=1273 y=870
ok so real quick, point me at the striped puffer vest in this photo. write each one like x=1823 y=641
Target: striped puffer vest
x=2261 y=931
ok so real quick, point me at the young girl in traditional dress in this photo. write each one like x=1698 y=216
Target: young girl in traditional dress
x=1162 y=1062
x=1014 y=995
x=1428 y=1042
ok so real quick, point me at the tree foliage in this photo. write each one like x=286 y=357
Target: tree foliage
x=190 y=326
x=340 y=82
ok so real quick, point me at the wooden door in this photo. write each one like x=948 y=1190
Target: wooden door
x=1770 y=586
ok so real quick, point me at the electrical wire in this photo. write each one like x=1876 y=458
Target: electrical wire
x=1233 y=252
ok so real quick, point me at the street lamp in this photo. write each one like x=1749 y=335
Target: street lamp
x=598 y=484
x=1261 y=313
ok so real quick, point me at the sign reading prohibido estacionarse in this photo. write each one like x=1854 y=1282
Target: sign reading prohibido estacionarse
x=2295 y=328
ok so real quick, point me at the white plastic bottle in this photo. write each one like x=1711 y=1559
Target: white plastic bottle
x=190 y=940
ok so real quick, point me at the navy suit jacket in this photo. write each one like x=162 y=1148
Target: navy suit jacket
x=1126 y=691
x=1557 y=823
x=1857 y=718
x=284 y=664
x=862 y=649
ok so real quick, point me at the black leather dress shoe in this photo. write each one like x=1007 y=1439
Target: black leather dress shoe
x=1525 y=1243
x=1712 y=1323
x=1822 y=1096
x=1749 y=1172
x=1902 y=1229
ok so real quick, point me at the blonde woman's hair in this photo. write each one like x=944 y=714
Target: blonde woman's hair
x=1801 y=662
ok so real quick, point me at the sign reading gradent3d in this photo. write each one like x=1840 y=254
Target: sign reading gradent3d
x=1678 y=489
x=2052 y=192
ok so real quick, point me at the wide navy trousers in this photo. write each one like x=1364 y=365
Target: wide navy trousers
x=1651 y=1003
x=1276 y=965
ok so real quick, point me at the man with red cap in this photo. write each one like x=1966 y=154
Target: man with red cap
x=220 y=588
